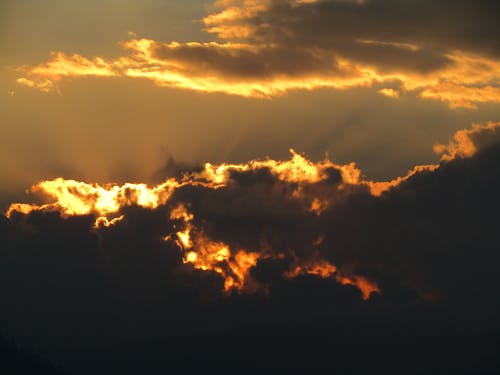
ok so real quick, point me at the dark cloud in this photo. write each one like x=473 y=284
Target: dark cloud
x=120 y=298
x=434 y=27
x=246 y=61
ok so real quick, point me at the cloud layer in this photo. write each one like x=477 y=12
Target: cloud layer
x=446 y=51
x=241 y=258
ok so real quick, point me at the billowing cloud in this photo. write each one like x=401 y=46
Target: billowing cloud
x=266 y=250
x=267 y=48
x=259 y=189
x=465 y=143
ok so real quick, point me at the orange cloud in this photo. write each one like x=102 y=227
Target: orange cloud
x=263 y=59
x=466 y=142
x=80 y=198
x=227 y=23
x=316 y=187
x=390 y=93
x=461 y=96
x=265 y=71
x=44 y=85
x=251 y=63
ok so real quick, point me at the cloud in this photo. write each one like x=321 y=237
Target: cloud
x=268 y=48
x=405 y=25
x=259 y=190
x=465 y=143
x=390 y=93
x=241 y=253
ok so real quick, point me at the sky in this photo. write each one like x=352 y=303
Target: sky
x=178 y=176
x=124 y=128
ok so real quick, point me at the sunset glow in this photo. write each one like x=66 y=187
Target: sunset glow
x=284 y=186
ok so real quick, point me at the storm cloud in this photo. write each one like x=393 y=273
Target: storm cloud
x=127 y=296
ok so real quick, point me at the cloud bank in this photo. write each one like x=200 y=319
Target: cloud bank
x=446 y=51
x=281 y=257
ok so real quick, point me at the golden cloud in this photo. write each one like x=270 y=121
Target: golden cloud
x=249 y=65
x=313 y=187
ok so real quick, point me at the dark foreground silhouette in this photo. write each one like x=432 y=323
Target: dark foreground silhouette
x=17 y=361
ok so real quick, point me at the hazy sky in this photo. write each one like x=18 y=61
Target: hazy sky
x=79 y=124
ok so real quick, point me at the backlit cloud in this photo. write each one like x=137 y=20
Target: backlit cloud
x=268 y=48
x=249 y=245
x=295 y=188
